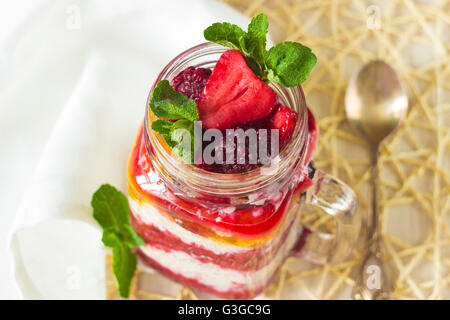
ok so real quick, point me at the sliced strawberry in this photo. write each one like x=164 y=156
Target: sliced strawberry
x=234 y=95
x=284 y=119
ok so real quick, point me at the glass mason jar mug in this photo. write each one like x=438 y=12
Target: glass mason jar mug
x=227 y=234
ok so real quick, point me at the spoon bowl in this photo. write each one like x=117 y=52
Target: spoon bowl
x=375 y=101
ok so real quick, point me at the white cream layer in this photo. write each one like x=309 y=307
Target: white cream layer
x=150 y=215
x=214 y=276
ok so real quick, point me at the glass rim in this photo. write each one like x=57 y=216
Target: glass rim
x=175 y=170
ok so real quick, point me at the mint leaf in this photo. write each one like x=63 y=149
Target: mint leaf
x=164 y=128
x=112 y=238
x=179 y=136
x=110 y=209
x=124 y=267
x=226 y=34
x=256 y=38
x=166 y=103
x=182 y=135
x=289 y=63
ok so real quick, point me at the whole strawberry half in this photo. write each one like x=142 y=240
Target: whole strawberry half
x=284 y=119
x=234 y=95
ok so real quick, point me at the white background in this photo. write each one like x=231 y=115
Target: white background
x=43 y=53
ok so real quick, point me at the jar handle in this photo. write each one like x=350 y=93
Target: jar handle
x=338 y=200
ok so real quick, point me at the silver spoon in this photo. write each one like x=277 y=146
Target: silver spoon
x=375 y=103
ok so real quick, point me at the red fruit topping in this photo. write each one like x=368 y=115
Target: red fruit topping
x=191 y=82
x=284 y=119
x=313 y=135
x=234 y=95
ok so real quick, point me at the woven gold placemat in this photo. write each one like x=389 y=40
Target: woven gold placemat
x=414 y=37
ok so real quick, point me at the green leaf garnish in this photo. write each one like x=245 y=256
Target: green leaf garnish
x=164 y=128
x=226 y=34
x=110 y=209
x=124 y=266
x=168 y=104
x=256 y=38
x=126 y=235
x=287 y=63
x=182 y=134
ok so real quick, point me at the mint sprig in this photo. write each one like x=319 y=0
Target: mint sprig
x=110 y=209
x=226 y=34
x=287 y=63
x=168 y=104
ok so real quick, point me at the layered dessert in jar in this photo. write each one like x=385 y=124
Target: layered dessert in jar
x=223 y=213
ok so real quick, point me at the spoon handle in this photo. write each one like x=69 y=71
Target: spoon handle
x=373 y=221
x=372 y=282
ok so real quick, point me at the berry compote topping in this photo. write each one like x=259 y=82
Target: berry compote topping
x=244 y=160
x=191 y=82
x=283 y=119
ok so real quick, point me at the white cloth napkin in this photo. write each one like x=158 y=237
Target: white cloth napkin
x=78 y=78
